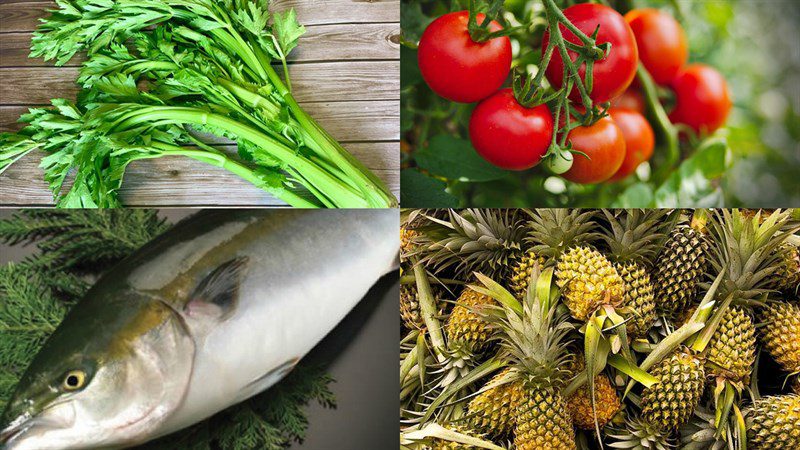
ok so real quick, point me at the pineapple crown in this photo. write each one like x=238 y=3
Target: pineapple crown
x=474 y=240
x=638 y=434
x=533 y=333
x=636 y=234
x=747 y=247
x=553 y=231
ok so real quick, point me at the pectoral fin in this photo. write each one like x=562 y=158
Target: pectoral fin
x=268 y=379
x=216 y=295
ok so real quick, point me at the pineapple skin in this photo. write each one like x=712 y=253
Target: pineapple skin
x=410 y=312
x=781 y=337
x=671 y=402
x=607 y=404
x=464 y=328
x=543 y=421
x=587 y=280
x=638 y=297
x=774 y=423
x=521 y=273
x=679 y=269
x=492 y=411
x=787 y=277
x=733 y=346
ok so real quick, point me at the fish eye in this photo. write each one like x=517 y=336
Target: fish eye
x=74 y=380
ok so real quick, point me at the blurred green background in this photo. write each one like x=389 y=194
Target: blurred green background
x=755 y=44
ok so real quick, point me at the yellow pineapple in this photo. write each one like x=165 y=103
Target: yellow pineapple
x=773 y=423
x=468 y=333
x=588 y=281
x=633 y=237
x=606 y=404
x=521 y=272
x=781 y=335
x=492 y=411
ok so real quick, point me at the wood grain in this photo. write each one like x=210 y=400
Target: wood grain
x=345 y=73
x=343 y=42
x=317 y=82
x=179 y=181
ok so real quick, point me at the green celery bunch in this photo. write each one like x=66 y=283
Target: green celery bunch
x=158 y=73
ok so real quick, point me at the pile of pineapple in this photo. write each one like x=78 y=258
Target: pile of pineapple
x=570 y=328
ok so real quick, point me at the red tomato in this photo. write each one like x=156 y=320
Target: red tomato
x=663 y=48
x=604 y=145
x=702 y=98
x=508 y=134
x=630 y=99
x=458 y=68
x=639 y=140
x=613 y=74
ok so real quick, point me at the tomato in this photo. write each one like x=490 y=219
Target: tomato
x=508 y=134
x=663 y=48
x=702 y=98
x=612 y=74
x=458 y=68
x=630 y=99
x=639 y=140
x=603 y=144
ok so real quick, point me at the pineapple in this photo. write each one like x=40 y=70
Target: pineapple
x=606 y=404
x=492 y=411
x=410 y=312
x=535 y=341
x=680 y=267
x=466 y=330
x=773 y=423
x=588 y=281
x=633 y=238
x=640 y=435
x=787 y=277
x=732 y=348
x=671 y=402
x=407 y=238
x=474 y=240
x=543 y=421
x=781 y=334
x=521 y=272
x=586 y=277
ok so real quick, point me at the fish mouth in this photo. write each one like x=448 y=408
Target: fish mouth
x=22 y=426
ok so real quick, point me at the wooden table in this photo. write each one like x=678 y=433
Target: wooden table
x=345 y=73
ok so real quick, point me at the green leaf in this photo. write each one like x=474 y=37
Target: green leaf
x=695 y=184
x=455 y=159
x=637 y=195
x=287 y=30
x=409 y=69
x=419 y=190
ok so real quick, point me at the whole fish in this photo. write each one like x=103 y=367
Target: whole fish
x=216 y=310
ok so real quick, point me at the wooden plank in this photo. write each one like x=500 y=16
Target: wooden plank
x=21 y=15
x=338 y=42
x=345 y=121
x=317 y=82
x=181 y=181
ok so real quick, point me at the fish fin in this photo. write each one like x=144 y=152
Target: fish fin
x=268 y=379
x=216 y=295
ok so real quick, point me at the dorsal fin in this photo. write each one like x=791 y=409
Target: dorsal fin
x=216 y=295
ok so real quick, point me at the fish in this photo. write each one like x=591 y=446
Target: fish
x=217 y=309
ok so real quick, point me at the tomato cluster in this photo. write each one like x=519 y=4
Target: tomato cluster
x=516 y=137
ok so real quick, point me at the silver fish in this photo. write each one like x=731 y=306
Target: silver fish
x=216 y=310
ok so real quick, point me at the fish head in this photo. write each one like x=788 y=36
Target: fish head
x=106 y=378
